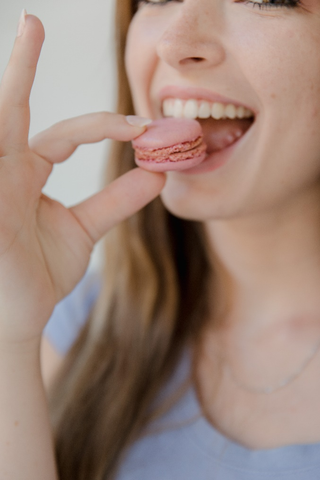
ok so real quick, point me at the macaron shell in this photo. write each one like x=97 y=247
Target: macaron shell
x=166 y=132
x=182 y=164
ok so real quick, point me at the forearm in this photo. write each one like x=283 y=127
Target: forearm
x=26 y=446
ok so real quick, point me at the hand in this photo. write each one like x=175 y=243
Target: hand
x=44 y=247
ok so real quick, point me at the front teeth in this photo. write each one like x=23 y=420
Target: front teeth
x=175 y=107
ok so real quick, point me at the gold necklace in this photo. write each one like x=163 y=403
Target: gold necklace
x=268 y=390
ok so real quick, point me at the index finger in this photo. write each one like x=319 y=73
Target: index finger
x=16 y=85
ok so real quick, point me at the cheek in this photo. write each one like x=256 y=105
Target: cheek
x=280 y=58
x=141 y=61
x=283 y=68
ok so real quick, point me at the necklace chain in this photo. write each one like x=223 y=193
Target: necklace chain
x=268 y=390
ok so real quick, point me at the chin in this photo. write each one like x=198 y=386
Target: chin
x=188 y=202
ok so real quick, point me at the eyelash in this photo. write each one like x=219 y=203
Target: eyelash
x=272 y=4
x=262 y=6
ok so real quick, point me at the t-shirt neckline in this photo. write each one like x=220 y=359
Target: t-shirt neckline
x=228 y=452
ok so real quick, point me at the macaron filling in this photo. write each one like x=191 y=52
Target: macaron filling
x=174 y=153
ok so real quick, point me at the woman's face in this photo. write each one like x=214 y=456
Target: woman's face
x=266 y=58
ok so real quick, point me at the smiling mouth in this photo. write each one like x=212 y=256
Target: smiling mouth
x=222 y=124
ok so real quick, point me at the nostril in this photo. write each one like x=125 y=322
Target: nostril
x=185 y=61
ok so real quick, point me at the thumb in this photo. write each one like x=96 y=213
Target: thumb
x=118 y=201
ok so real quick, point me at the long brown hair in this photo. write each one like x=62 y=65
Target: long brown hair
x=152 y=303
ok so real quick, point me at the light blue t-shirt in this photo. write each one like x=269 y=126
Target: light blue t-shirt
x=183 y=445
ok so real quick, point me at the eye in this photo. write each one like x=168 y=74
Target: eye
x=261 y=4
x=269 y=4
x=139 y=3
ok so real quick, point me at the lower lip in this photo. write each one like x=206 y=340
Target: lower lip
x=217 y=159
x=214 y=160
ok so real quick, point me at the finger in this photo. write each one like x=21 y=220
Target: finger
x=16 y=86
x=58 y=142
x=118 y=201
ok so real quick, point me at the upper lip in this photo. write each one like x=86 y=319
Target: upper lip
x=186 y=93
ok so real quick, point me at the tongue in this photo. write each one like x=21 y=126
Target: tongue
x=219 y=134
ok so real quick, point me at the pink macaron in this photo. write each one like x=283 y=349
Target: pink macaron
x=170 y=144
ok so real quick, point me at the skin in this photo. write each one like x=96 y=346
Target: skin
x=261 y=209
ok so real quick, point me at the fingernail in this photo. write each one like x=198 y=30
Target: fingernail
x=137 y=121
x=22 y=22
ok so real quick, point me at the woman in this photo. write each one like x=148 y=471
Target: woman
x=201 y=356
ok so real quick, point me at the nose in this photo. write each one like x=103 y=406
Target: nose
x=191 y=38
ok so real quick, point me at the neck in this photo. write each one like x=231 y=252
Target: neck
x=267 y=266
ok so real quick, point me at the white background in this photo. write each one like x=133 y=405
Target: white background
x=76 y=75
